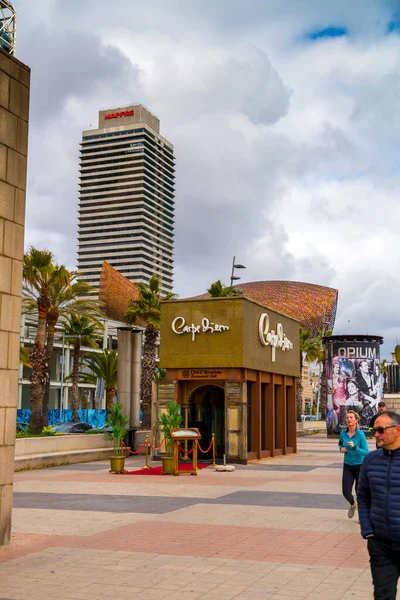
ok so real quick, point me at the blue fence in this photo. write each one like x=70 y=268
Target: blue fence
x=96 y=418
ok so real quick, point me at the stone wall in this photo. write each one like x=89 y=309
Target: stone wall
x=14 y=111
x=392 y=402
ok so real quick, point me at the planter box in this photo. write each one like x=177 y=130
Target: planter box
x=66 y=449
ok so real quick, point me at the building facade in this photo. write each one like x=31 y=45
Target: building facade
x=62 y=366
x=14 y=117
x=126 y=201
x=232 y=365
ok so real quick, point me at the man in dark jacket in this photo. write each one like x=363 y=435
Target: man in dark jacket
x=381 y=409
x=378 y=497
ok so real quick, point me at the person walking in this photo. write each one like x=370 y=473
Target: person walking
x=353 y=444
x=381 y=409
x=379 y=505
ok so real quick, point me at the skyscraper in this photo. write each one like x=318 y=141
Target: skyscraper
x=126 y=200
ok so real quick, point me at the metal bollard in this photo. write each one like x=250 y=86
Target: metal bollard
x=213 y=441
x=146 y=466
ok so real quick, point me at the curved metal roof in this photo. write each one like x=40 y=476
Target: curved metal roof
x=313 y=305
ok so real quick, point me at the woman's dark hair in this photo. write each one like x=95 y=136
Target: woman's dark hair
x=347 y=386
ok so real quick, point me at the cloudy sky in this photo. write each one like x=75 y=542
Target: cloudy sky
x=285 y=116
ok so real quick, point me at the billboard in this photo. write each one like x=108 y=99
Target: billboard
x=354 y=379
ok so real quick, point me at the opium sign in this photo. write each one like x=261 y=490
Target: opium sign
x=268 y=337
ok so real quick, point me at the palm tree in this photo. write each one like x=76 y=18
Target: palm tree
x=102 y=366
x=322 y=358
x=147 y=309
x=25 y=357
x=64 y=293
x=309 y=351
x=66 y=299
x=219 y=290
x=81 y=330
x=39 y=272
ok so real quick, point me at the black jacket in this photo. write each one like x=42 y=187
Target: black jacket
x=378 y=495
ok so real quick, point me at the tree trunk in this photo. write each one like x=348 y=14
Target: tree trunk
x=50 y=347
x=147 y=376
x=39 y=374
x=110 y=400
x=322 y=402
x=75 y=381
x=299 y=391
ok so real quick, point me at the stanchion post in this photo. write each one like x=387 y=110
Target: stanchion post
x=213 y=441
x=146 y=466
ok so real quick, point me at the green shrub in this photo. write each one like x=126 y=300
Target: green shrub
x=46 y=431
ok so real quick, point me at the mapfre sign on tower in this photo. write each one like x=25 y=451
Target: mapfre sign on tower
x=123 y=113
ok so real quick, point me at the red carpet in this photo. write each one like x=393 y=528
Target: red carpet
x=159 y=470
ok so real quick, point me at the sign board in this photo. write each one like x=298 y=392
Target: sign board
x=191 y=374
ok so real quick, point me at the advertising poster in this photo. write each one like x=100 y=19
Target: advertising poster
x=353 y=382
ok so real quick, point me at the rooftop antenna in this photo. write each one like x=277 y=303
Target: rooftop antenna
x=8 y=26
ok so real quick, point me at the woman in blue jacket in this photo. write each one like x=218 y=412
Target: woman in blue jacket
x=353 y=445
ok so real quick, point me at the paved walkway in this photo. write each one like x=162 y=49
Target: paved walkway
x=276 y=530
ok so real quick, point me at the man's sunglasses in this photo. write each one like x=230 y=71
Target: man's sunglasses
x=381 y=430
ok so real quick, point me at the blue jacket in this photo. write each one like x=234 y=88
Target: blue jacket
x=378 y=495
x=353 y=456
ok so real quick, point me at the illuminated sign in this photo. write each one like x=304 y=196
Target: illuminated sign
x=123 y=113
x=179 y=326
x=270 y=338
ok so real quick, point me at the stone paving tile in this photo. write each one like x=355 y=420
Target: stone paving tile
x=266 y=516
x=90 y=502
x=295 y=499
x=56 y=522
x=310 y=486
x=307 y=498
x=273 y=467
x=142 y=488
x=194 y=539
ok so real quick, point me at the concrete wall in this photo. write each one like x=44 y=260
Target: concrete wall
x=14 y=111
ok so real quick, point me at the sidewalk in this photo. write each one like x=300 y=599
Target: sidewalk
x=275 y=530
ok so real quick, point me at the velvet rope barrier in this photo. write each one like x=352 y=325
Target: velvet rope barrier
x=158 y=447
x=208 y=449
x=133 y=451
x=183 y=449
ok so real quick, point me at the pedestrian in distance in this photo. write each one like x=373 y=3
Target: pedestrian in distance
x=353 y=444
x=379 y=505
x=381 y=409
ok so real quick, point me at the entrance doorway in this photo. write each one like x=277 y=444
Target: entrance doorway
x=207 y=413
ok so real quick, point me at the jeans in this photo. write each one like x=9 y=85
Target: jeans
x=384 y=559
x=350 y=476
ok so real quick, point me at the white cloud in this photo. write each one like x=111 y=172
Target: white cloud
x=286 y=149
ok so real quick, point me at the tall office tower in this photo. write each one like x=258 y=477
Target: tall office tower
x=126 y=201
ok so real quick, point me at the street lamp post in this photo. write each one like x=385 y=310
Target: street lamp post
x=235 y=266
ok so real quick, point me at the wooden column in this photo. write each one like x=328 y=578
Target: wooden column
x=270 y=416
x=280 y=425
x=291 y=408
x=258 y=423
x=284 y=417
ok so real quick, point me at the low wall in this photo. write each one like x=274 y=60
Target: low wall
x=310 y=427
x=31 y=453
